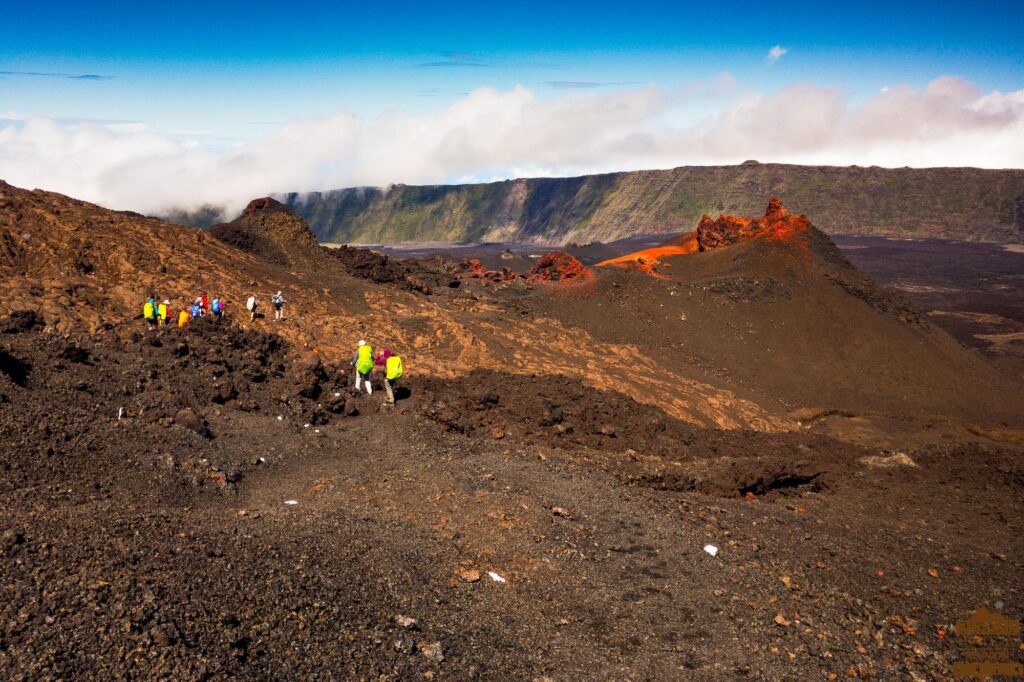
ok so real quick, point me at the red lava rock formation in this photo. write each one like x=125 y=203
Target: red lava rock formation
x=558 y=266
x=724 y=230
x=472 y=268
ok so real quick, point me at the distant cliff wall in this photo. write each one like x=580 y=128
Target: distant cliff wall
x=966 y=204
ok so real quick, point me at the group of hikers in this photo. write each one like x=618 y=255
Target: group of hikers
x=277 y=301
x=157 y=314
x=364 y=361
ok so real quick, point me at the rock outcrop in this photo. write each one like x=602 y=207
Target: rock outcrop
x=555 y=266
x=380 y=268
x=726 y=229
x=558 y=266
x=472 y=268
x=272 y=231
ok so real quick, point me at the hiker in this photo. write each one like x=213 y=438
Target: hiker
x=278 y=301
x=251 y=305
x=363 y=362
x=149 y=312
x=163 y=312
x=392 y=373
x=183 y=317
x=203 y=303
x=197 y=309
x=217 y=308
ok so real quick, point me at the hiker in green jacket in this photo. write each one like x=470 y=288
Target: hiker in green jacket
x=363 y=362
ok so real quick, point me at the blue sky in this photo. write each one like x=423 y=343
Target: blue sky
x=223 y=74
x=223 y=66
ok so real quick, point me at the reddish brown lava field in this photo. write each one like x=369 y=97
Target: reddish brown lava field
x=864 y=489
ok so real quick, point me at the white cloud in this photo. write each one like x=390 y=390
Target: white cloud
x=776 y=53
x=492 y=134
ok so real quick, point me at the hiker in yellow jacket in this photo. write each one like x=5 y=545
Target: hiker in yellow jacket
x=392 y=365
x=363 y=362
x=149 y=312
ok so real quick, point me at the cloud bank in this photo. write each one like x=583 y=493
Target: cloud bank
x=491 y=134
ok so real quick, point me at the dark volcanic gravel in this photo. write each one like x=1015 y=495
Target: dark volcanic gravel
x=161 y=545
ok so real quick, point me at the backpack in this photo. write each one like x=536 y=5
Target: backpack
x=364 y=359
x=393 y=365
x=250 y=304
x=147 y=310
x=216 y=305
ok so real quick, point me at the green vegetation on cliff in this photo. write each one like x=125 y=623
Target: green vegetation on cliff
x=952 y=203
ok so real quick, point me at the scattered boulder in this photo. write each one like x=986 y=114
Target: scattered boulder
x=897 y=459
x=343 y=404
x=553 y=415
x=406 y=622
x=11 y=539
x=74 y=353
x=318 y=416
x=21 y=321
x=470 y=575
x=434 y=652
x=488 y=400
x=308 y=373
x=417 y=284
x=404 y=644
x=164 y=635
x=224 y=391
x=191 y=420
x=17 y=370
